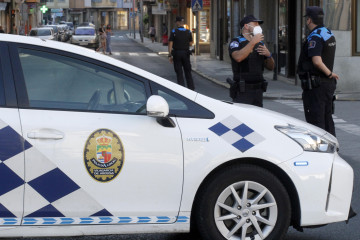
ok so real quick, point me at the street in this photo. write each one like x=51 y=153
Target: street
x=347 y=129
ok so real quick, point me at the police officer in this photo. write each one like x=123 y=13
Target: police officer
x=179 y=42
x=315 y=69
x=248 y=56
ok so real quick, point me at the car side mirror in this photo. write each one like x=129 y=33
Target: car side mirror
x=157 y=106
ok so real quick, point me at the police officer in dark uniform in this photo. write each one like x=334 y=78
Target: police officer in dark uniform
x=179 y=42
x=249 y=56
x=315 y=70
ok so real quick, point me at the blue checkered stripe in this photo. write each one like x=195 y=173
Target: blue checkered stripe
x=105 y=220
x=53 y=195
x=49 y=192
x=237 y=133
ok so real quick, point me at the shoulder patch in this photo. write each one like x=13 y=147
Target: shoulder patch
x=312 y=44
x=234 y=44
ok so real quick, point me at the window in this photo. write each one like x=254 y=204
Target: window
x=180 y=106
x=356 y=27
x=58 y=82
x=337 y=14
x=2 y=88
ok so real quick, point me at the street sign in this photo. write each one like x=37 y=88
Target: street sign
x=196 y=5
x=44 y=9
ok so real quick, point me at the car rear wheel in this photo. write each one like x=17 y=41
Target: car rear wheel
x=244 y=202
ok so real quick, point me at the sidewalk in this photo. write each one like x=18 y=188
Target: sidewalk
x=217 y=72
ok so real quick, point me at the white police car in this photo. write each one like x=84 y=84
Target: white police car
x=91 y=145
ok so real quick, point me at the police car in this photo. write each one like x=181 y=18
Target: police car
x=90 y=145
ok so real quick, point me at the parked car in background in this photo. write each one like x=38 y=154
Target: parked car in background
x=43 y=33
x=85 y=36
x=71 y=27
x=64 y=32
x=57 y=33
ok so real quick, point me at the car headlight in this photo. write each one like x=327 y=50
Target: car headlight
x=308 y=140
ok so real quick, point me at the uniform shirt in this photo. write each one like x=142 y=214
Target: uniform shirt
x=251 y=68
x=181 y=38
x=321 y=42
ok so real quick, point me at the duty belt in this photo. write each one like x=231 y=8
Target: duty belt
x=253 y=85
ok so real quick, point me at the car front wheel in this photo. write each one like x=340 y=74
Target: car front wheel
x=244 y=202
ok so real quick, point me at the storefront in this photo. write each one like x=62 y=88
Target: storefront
x=4 y=16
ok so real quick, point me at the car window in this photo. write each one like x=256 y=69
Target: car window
x=180 y=106
x=59 y=82
x=2 y=88
x=40 y=32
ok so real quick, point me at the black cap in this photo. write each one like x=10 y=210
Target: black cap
x=314 y=12
x=248 y=19
x=179 y=19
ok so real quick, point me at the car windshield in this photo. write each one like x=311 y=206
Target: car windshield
x=84 y=31
x=40 y=32
x=70 y=25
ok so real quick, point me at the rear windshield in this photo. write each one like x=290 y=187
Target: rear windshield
x=40 y=32
x=82 y=31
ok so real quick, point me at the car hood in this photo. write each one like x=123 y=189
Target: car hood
x=260 y=117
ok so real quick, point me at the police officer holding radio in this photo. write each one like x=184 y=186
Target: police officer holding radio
x=248 y=56
x=315 y=70
x=179 y=42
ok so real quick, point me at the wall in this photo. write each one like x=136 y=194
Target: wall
x=346 y=65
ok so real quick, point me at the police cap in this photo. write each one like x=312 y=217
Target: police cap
x=180 y=19
x=314 y=12
x=249 y=19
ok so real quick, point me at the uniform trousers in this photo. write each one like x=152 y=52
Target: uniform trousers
x=318 y=105
x=182 y=60
x=250 y=96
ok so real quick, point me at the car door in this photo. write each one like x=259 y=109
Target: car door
x=12 y=147
x=97 y=158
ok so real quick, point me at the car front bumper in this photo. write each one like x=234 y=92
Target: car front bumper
x=324 y=183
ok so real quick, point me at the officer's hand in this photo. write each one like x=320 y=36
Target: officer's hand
x=171 y=60
x=262 y=50
x=334 y=75
x=257 y=38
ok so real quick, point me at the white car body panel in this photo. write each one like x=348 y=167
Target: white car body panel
x=187 y=154
x=140 y=178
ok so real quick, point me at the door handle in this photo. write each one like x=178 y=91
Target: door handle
x=45 y=134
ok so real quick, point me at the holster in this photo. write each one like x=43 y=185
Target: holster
x=233 y=87
x=264 y=85
x=309 y=81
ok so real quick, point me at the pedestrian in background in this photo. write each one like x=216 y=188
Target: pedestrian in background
x=1 y=30
x=249 y=55
x=179 y=54
x=102 y=40
x=108 y=39
x=315 y=69
x=152 y=32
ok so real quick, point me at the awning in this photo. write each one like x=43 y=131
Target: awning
x=3 y=6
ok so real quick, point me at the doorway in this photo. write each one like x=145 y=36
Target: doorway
x=287 y=38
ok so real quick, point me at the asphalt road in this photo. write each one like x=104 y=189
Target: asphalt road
x=347 y=127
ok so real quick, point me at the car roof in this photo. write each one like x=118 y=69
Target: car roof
x=66 y=47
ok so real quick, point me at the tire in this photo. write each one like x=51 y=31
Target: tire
x=222 y=213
